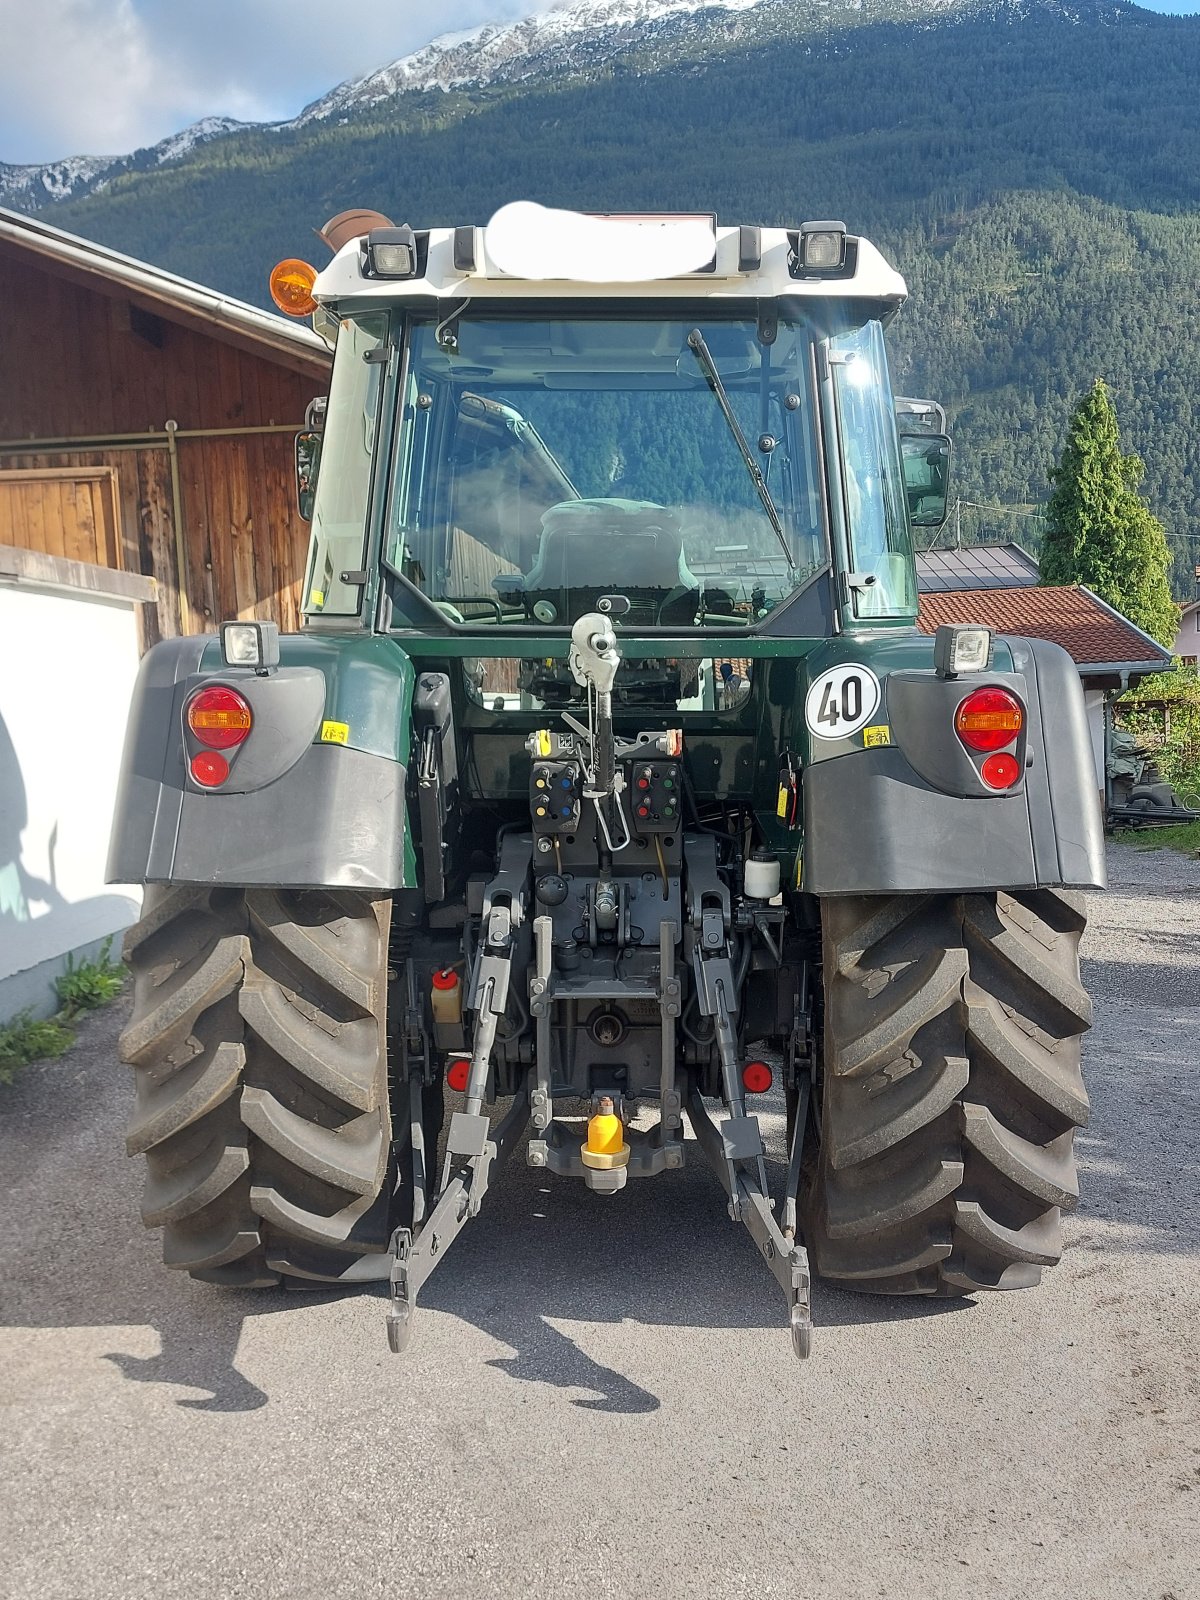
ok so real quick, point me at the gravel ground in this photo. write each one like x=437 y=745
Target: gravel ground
x=601 y=1395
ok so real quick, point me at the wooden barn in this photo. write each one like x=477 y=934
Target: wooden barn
x=146 y=425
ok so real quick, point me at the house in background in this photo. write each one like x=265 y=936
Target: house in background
x=1187 y=640
x=146 y=426
x=997 y=585
x=147 y=489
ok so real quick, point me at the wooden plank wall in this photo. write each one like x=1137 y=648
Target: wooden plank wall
x=77 y=363
x=63 y=511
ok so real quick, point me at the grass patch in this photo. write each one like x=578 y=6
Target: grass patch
x=91 y=984
x=27 y=1039
x=84 y=986
x=1185 y=838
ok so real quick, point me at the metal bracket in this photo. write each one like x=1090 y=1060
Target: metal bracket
x=749 y=1203
x=415 y=1257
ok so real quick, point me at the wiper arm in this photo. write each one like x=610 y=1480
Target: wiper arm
x=712 y=377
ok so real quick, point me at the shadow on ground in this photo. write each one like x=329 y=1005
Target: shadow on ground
x=73 y=1254
x=544 y=1251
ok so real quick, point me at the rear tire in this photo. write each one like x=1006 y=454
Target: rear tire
x=952 y=1090
x=259 y=1051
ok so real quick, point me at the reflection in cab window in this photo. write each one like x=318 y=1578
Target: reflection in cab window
x=542 y=464
x=872 y=477
x=499 y=683
x=339 y=519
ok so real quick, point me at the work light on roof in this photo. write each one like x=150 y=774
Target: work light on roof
x=819 y=248
x=391 y=253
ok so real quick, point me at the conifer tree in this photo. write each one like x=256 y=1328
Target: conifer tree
x=1099 y=531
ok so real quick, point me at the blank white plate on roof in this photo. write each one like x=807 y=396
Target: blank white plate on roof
x=525 y=240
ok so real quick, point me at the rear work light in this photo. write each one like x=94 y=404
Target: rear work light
x=989 y=719
x=219 y=718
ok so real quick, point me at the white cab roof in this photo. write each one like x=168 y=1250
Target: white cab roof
x=730 y=276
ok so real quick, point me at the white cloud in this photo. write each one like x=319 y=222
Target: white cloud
x=108 y=76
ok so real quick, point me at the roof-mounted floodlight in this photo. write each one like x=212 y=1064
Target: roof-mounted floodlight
x=818 y=250
x=390 y=253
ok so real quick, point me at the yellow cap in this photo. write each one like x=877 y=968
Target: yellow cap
x=605 y=1145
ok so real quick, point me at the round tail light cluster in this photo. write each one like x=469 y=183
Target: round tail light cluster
x=219 y=719
x=990 y=721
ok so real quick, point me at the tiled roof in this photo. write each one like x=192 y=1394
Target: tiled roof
x=975 y=566
x=1091 y=632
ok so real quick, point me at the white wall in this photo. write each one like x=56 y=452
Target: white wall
x=68 y=658
x=1187 y=640
x=1093 y=700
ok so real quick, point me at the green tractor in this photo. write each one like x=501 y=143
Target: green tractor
x=608 y=781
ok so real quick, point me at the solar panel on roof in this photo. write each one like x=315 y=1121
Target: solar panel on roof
x=981 y=566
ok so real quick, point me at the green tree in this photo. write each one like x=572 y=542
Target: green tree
x=1099 y=531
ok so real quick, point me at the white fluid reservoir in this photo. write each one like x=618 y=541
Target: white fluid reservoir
x=762 y=876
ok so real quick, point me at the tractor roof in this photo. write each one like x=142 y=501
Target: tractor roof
x=527 y=252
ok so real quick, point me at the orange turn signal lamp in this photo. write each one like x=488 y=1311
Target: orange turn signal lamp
x=218 y=717
x=989 y=719
x=291 y=284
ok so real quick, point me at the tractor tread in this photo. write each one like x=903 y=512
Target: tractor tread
x=945 y=1157
x=170 y=1196
x=262 y=1103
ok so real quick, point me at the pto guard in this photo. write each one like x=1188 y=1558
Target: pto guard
x=911 y=816
x=258 y=828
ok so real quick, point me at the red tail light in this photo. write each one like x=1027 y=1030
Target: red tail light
x=457 y=1073
x=219 y=718
x=757 y=1077
x=1000 y=771
x=989 y=719
x=209 y=768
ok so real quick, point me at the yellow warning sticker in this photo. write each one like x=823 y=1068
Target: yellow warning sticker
x=317 y=598
x=878 y=735
x=781 y=805
x=335 y=732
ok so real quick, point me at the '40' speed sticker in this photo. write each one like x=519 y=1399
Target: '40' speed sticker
x=841 y=701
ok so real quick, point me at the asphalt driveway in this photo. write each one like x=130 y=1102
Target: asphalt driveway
x=601 y=1398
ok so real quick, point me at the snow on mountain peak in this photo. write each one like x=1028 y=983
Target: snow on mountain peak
x=513 y=49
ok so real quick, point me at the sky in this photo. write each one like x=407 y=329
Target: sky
x=103 y=77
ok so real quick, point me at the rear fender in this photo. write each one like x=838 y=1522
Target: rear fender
x=315 y=795
x=899 y=806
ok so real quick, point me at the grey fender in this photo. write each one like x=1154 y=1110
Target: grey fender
x=913 y=816
x=293 y=813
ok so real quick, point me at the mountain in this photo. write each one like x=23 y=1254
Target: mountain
x=1032 y=167
x=567 y=42
x=32 y=188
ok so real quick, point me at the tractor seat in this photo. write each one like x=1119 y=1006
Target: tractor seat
x=605 y=545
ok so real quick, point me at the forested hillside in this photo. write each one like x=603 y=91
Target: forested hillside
x=1036 y=177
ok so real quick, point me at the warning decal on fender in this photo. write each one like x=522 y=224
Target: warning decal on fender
x=841 y=701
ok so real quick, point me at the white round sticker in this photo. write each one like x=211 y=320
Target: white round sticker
x=841 y=701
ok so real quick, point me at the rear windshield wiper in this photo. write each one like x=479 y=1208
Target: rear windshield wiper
x=712 y=377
